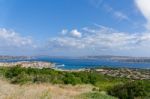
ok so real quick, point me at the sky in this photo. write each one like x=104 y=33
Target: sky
x=75 y=27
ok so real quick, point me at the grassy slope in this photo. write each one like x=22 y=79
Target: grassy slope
x=48 y=91
x=22 y=75
x=57 y=86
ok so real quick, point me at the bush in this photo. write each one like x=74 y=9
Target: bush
x=129 y=90
x=14 y=71
x=21 y=78
x=93 y=78
x=70 y=78
x=94 y=95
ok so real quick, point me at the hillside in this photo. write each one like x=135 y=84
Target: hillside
x=33 y=82
x=48 y=91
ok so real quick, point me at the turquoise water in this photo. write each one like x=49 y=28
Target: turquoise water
x=77 y=63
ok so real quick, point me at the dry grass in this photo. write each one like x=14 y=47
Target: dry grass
x=41 y=91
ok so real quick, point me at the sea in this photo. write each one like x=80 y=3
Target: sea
x=79 y=63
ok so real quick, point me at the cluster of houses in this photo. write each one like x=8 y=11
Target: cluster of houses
x=27 y=64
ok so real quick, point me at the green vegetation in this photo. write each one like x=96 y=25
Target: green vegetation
x=131 y=90
x=95 y=95
x=118 y=87
x=19 y=75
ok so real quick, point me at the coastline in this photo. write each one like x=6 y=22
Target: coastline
x=27 y=64
x=122 y=72
x=101 y=78
x=128 y=73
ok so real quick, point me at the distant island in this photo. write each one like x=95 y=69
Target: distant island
x=4 y=58
x=120 y=58
x=106 y=57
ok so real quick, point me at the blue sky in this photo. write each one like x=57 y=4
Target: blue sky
x=74 y=27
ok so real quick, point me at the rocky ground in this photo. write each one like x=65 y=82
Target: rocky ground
x=26 y=64
x=135 y=74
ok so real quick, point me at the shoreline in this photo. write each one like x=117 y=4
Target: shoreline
x=122 y=72
x=52 y=65
x=129 y=73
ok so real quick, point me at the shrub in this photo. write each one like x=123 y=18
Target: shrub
x=14 y=71
x=129 y=90
x=93 y=78
x=41 y=78
x=21 y=78
x=94 y=95
x=70 y=78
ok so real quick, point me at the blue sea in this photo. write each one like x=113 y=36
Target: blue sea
x=78 y=63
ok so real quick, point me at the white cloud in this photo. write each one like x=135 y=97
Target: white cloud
x=64 y=31
x=76 y=33
x=143 y=6
x=120 y=15
x=117 y=14
x=102 y=38
x=9 y=39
